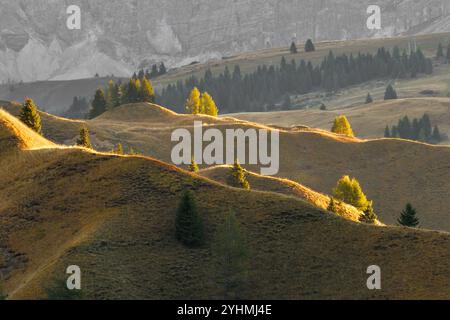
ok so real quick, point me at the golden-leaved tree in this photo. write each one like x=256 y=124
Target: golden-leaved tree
x=349 y=190
x=342 y=126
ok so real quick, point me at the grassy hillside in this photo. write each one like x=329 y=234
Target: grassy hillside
x=114 y=217
x=283 y=186
x=367 y=120
x=392 y=172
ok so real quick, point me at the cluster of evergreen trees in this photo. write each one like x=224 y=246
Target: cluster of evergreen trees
x=418 y=130
x=309 y=47
x=262 y=89
x=136 y=90
x=78 y=109
x=154 y=72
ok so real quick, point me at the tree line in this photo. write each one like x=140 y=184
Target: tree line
x=138 y=89
x=267 y=85
x=417 y=129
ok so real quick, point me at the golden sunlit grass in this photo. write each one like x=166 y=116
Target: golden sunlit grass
x=392 y=171
x=114 y=217
x=284 y=186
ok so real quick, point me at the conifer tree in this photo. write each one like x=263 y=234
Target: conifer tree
x=233 y=255
x=238 y=177
x=99 y=104
x=193 y=103
x=349 y=191
x=208 y=105
x=390 y=93
x=309 y=46
x=188 y=224
x=119 y=149
x=369 y=98
x=162 y=69
x=342 y=126
x=387 y=133
x=332 y=207
x=408 y=217
x=293 y=48
x=193 y=167
x=369 y=215
x=29 y=115
x=147 y=91
x=436 y=136
x=84 y=140
x=447 y=58
x=440 y=51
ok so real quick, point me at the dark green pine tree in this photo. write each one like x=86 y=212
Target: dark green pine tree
x=99 y=104
x=309 y=46
x=84 y=140
x=387 y=132
x=369 y=98
x=29 y=115
x=369 y=215
x=238 y=177
x=408 y=217
x=188 y=224
x=436 y=136
x=390 y=93
x=293 y=48
x=447 y=59
x=440 y=51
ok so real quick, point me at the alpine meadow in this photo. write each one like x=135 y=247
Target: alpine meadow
x=224 y=151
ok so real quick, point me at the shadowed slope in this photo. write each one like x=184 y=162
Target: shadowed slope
x=283 y=186
x=392 y=172
x=114 y=217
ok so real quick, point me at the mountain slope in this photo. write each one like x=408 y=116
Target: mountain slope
x=114 y=217
x=35 y=43
x=392 y=172
x=367 y=120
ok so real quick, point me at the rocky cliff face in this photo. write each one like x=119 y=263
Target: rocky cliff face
x=118 y=36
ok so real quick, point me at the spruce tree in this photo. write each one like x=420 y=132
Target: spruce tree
x=29 y=115
x=188 y=224
x=309 y=46
x=349 y=191
x=369 y=215
x=440 y=51
x=193 y=167
x=238 y=177
x=369 y=98
x=233 y=256
x=390 y=93
x=332 y=207
x=293 y=48
x=342 y=126
x=387 y=133
x=408 y=217
x=99 y=104
x=84 y=140
x=147 y=91
x=436 y=136
x=119 y=149
x=193 y=103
